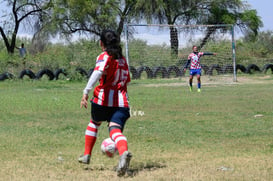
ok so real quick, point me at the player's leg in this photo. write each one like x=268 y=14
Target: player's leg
x=191 y=78
x=116 y=126
x=199 y=81
x=97 y=115
x=90 y=140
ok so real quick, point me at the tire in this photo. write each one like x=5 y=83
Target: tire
x=145 y=69
x=241 y=68
x=205 y=69
x=47 y=72
x=216 y=67
x=175 y=69
x=5 y=76
x=82 y=71
x=27 y=72
x=58 y=72
x=227 y=69
x=133 y=72
x=162 y=70
x=267 y=67
x=251 y=67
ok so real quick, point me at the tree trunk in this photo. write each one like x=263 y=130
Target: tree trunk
x=174 y=41
x=209 y=32
x=6 y=41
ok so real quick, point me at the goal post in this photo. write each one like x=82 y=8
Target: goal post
x=163 y=49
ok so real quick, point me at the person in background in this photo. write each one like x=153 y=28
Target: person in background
x=110 y=99
x=22 y=53
x=195 y=66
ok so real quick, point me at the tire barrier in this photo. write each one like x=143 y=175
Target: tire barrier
x=58 y=72
x=214 y=67
x=205 y=68
x=227 y=69
x=251 y=67
x=5 y=76
x=267 y=67
x=133 y=72
x=174 y=69
x=27 y=72
x=47 y=72
x=241 y=68
x=82 y=72
x=160 y=70
x=145 y=69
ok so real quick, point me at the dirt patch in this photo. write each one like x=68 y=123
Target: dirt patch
x=217 y=80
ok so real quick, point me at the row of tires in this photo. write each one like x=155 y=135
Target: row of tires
x=29 y=73
x=163 y=72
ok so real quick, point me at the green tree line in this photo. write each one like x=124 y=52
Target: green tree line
x=82 y=53
x=48 y=18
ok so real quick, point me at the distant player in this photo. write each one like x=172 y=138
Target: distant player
x=110 y=100
x=195 y=66
x=23 y=53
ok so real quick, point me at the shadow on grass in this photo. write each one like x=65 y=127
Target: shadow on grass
x=134 y=168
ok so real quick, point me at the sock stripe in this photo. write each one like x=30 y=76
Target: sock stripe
x=92 y=125
x=92 y=129
x=115 y=135
x=120 y=139
x=91 y=133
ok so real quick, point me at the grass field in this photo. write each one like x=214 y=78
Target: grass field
x=223 y=133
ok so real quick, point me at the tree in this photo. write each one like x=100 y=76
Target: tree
x=174 y=12
x=90 y=17
x=231 y=12
x=21 y=11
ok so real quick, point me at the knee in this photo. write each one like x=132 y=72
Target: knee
x=115 y=127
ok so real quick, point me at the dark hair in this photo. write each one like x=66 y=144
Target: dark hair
x=111 y=42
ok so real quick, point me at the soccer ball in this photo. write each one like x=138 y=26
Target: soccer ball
x=108 y=147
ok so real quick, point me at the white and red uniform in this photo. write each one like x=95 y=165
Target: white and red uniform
x=195 y=60
x=112 y=88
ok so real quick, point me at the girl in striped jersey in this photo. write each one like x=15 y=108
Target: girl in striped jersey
x=195 y=66
x=110 y=99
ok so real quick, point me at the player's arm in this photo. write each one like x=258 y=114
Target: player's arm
x=96 y=75
x=209 y=53
x=187 y=64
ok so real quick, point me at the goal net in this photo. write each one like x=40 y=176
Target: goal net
x=161 y=51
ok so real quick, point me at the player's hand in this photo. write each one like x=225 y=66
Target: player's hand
x=215 y=54
x=185 y=70
x=84 y=101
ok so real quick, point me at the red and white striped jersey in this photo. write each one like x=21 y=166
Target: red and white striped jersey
x=195 y=60
x=112 y=88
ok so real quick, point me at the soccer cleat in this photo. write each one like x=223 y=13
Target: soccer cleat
x=198 y=90
x=124 y=162
x=85 y=159
x=190 y=88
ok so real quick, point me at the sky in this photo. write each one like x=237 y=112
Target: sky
x=265 y=11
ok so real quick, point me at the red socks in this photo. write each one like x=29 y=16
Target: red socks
x=120 y=140
x=90 y=137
